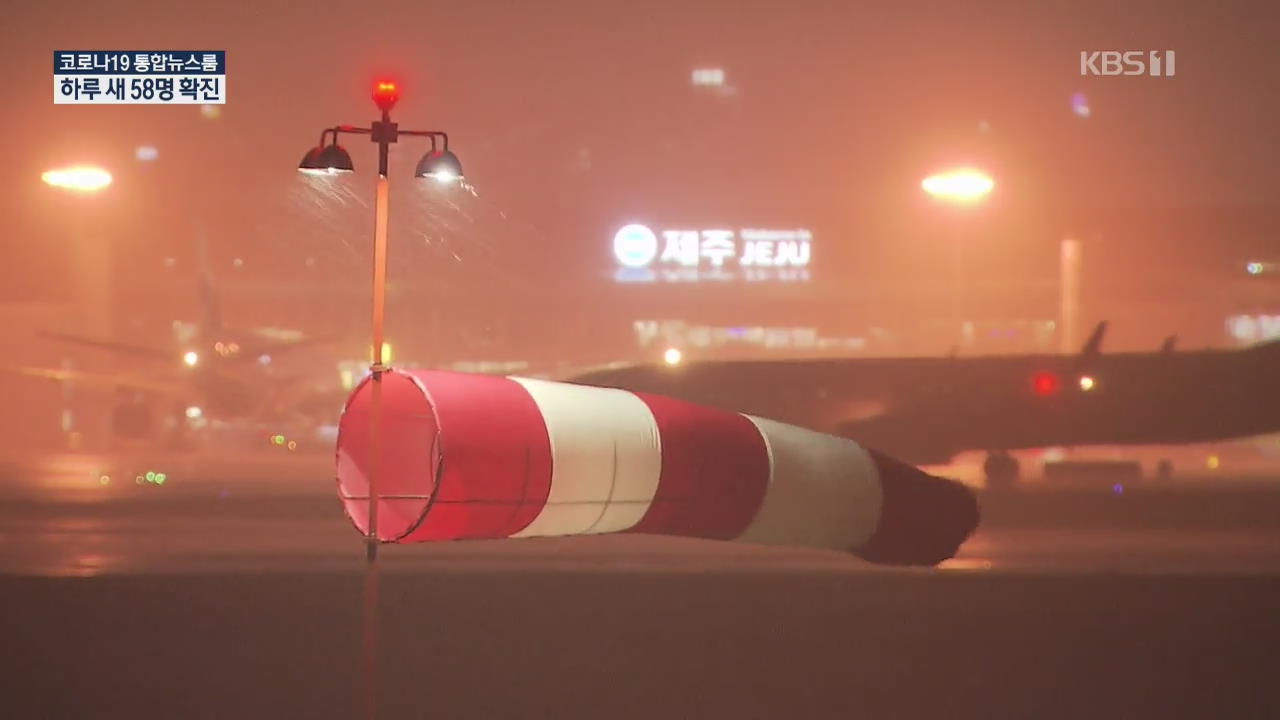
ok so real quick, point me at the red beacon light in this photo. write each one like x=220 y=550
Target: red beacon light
x=1045 y=383
x=385 y=95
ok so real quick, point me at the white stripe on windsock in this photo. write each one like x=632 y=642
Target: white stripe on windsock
x=823 y=490
x=606 y=457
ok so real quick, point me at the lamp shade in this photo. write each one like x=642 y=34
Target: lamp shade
x=326 y=160
x=440 y=165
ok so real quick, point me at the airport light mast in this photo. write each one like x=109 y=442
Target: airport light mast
x=90 y=267
x=438 y=164
x=961 y=187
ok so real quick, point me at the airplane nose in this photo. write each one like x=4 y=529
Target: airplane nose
x=923 y=519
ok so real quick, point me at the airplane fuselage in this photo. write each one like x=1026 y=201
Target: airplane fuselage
x=925 y=410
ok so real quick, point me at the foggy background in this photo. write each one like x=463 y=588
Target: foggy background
x=572 y=119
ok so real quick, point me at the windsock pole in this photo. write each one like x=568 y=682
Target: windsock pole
x=377 y=368
x=376 y=371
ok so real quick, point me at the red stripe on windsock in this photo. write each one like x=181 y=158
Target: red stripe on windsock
x=715 y=471
x=405 y=470
x=923 y=519
x=484 y=434
x=497 y=457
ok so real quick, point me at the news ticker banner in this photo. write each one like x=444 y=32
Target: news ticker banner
x=139 y=77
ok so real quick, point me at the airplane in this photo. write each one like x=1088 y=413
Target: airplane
x=927 y=410
x=214 y=373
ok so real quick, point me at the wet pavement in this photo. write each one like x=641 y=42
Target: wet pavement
x=245 y=594
x=84 y=515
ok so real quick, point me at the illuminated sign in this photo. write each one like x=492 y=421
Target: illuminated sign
x=750 y=254
x=635 y=246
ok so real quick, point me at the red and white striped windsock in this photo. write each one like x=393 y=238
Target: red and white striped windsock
x=476 y=456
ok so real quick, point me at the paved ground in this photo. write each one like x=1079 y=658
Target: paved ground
x=241 y=595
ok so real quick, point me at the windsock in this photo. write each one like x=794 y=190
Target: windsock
x=463 y=456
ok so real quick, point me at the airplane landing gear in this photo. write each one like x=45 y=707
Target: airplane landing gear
x=1000 y=470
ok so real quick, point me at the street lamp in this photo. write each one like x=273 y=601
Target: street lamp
x=964 y=186
x=326 y=160
x=960 y=187
x=90 y=266
x=442 y=166
x=329 y=158
x=80 y=178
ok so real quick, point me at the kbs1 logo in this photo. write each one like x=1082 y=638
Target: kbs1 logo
x=1155 y=63
x=139 y=77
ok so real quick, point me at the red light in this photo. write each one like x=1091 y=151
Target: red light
x=385 y=94
x=1045 y=383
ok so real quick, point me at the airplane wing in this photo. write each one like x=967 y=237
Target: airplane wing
x=250 y=351
x=106 y=381
x=110 y=346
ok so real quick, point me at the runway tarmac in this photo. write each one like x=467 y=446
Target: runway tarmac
x=213 y=596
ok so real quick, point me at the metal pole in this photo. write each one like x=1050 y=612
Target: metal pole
x=1069 y=301
x=957 y=288
x=379 y=311
x=375 y=427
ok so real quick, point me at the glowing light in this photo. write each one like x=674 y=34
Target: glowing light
x=278 y=439
x=386 y=354
x=138 y=479
x=965 y=564
x=444 y=177
x=672 y=356
x=1087 y=383
x=707 y=77
x=210 y=112
x=961 y=186
x=292 y=446
x=1252 y=328
x=160 y=478
x=238 y=262
x=1213 y=462
x=104 y=480
x=194 y=413
x=146 y=153
x=385 y=94
x=81 y=178
x=191 y=358
x=1254 y=268
x=635 y=246
x=151 y=476
x=1080 y=105
x=1045 y=383
x=1117 y=489
x=264 y=359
